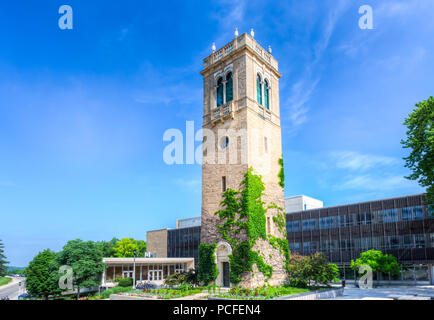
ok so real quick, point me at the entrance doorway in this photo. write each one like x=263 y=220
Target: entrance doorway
x=155 y=275
x=226 y=274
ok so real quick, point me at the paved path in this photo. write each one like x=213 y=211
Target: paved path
x=12 y=289
x=383 y=293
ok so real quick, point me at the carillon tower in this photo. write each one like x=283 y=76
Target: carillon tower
x=241 y=124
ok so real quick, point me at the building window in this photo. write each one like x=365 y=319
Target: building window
x=265 y=144
x=266 y=95
x=219 y=92
x=224 y=184
x=224 y=142
x=309 y=224
x=417 y=213
x=229 y=88
x=259 y=89
x=268 y=225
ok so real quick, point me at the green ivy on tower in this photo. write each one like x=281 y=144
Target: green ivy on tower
x=244 y=211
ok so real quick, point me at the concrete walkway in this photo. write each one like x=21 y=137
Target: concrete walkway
x=388 y=293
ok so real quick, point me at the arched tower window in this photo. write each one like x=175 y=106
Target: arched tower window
x=259 y=89
x=219 y=92
x=229 y=87
x=266 y=95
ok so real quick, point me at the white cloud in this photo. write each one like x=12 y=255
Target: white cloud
x=376 y=183
x=303 y=89
x=357 y=161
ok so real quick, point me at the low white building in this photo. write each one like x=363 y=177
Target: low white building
x=301 y=203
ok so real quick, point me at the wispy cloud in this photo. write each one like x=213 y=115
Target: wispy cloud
x=303 y=89
x=357 y=161
x=376 y=183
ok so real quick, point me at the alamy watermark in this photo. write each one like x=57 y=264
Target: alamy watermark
x=66 y=281
x=220 y=146
x=366 y=280
x=66 y=20
x=366 y=21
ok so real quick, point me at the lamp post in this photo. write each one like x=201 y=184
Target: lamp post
x=134 y=269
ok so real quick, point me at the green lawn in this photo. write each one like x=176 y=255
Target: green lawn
x=4 y=280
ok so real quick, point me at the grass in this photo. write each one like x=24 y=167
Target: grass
x=261 y=293
x=4 y=281
x=164 y=294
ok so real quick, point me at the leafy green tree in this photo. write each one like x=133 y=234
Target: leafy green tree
x=41 y=275
x=3 y=262
x=125 y=248
x=378 y=261
x=141 y=244
x=85 y=259
x=420 y=140
x=107 y=247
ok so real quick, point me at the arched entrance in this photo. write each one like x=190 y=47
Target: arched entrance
x=223 y=251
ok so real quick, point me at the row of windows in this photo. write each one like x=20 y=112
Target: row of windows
x=357 y=219
x=225 y=91
x=409 y=241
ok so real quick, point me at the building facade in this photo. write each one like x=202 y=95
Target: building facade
x=400 y=226
x=241 y=125
x=301 y=203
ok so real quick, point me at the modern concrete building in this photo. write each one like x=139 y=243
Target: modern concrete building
x=400 y=226
x=188 y=222
x=301 y=203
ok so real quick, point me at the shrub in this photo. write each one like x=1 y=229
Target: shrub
x=106 y=294
x=125 y=282
x=315 y=268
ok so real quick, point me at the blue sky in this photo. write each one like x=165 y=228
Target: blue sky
x=83 y=111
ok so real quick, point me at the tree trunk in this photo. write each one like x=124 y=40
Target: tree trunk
x=78 y=293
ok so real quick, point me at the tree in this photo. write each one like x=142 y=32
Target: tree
x=420 y=140
x=41 y=280
x=378 y=261
x=125 y=248
x=85 y=259
x=107 y=247
x=141 y=244
x=3 y=262
x=304 y=270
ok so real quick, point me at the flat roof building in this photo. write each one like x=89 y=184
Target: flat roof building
x=399 y=226
x=301 y=203
x=153 y=270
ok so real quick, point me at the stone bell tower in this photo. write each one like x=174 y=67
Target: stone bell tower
x=241 y=124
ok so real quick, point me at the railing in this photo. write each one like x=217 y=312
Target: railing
x=223 y=110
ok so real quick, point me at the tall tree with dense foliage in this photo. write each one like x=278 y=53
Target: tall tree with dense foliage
x=107 y=247
x=85 y=258
x=125 y=248
x=378 y=261
x=3 y=262
x=420 y=140
x=41 y=275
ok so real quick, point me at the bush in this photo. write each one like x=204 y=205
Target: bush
x=106 y=294
x=315 y=268
x=125 y=282
x=175 y=279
